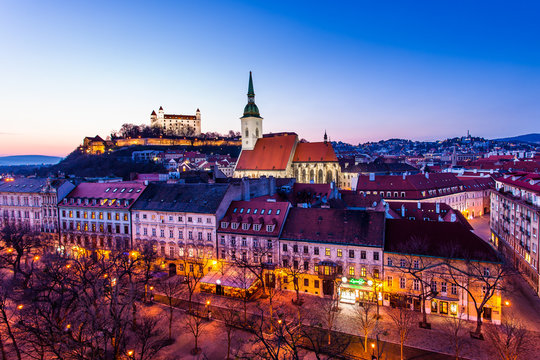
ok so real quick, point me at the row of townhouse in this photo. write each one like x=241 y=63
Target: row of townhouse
x=358 y=255
x=515 y=223
x=220 y=229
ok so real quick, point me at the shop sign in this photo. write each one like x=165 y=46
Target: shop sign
x=357 y=281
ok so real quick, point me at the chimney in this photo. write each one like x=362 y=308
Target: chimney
x=371 y=176
x=271 y=185
x=245 y=189
x=437 y=207
x=403 y=211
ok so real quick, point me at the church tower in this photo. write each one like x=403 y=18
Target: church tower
x=251 y=120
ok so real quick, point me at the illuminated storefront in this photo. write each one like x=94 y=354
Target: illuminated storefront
x=358 y=290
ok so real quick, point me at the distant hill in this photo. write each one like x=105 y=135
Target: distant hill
x=529 y=138
x=29 y=160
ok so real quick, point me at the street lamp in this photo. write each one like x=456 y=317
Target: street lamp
x=20 y=306
x=507 y=303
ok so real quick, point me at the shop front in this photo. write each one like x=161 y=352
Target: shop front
x=444 y=306
x=354 y=290
x=230 y=281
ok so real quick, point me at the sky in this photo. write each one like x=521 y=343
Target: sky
x=361 y=70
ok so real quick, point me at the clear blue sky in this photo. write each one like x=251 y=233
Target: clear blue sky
x=361 y=70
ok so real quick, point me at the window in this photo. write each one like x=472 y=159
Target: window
x=362 y=255
x=306 y=282
x=306 y=265
x=199 y=220
x=416 y=264
x=316 y=251
x=190 y=235
x=363 y=272
x=416 y=284
x=162 y=233
x=486 y=272
x=306 y=250
x=339 y=253
x=295 y=264
x=453 y=289
x=295 y=248
x=402 y=283
x=351 y=254
x=376 y=255
x=180 y=234
x=244 y=242
x=316 y=284
x=389 y=261
x=327 y=251
x=351 y=270
x=376 y=273
x=443 y=287
x=233 y=241
x=284 y=247
x=285 y=263
x=402 y=262
x=433 y=285
x=190 y=219
x=209 y=236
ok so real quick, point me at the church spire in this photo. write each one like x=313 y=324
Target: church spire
x=325 y=137
x=251 y=110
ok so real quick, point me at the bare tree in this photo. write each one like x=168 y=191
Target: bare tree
x=147 y=260
x=195 y=324
x=148 y=340
x=510 y=340
x=295 y=270
x=481 y=281
x=455 y=328
x=171 y=289
x=328 y=313
x=192 y=265
x=403 y=320
x=367 y=320
x=231 y=320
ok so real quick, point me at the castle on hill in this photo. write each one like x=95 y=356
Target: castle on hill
x=282 y=155
x=173 y=124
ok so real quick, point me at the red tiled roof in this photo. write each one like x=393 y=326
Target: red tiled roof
x=439 y=239
x=314 y=152
x=126 y=190
x=269 y=153
x=353 y=199
x=413 y=184
x=355 y=227
x=426 y=211
x=528 y=181
x=256 y=211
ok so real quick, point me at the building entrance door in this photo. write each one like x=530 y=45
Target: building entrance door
x=172 y=269
x=328 y=287
x=219 y=290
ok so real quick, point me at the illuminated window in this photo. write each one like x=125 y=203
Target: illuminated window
x=339 y=253
x=327 y=251
x=402 y=283
x=351 y=270
x=363 y=272
x=389 y=281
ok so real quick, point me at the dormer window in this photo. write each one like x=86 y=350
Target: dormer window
x=235 y=210
x=224 y=224
x=269 y=228
x=241 y=210
x=130 y=190
x=269 y=211
x=107 y=190
x=138 y=190
x=256 y=227
x=122 y=190
x=262 y=211
x=78 y=201
x=245 y=226
x=248 y=211
x=234 y=226
x=255 y=211
x=278 y=211
x=86 y=201
x=115 y=190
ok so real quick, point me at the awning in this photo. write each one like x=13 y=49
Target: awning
x=445 y=298
x=231 y=276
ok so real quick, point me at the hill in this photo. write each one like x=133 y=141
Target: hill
x=16 y=160
x=528 y=138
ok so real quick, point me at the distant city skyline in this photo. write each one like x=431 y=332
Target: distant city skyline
x=421 y=71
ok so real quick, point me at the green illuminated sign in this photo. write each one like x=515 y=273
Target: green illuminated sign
x=357 y=281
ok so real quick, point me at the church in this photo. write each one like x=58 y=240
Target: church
x=282 y=155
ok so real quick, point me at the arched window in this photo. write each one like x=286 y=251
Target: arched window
x=328 y=177
x=311 y=175
x=247 y=132
x=257 y=132
x=320 y=177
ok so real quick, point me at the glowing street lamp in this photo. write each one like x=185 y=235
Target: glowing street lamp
x=20 y=306
x=507 y=303
x=36 y=258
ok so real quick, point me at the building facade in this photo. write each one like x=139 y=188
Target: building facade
x=96 y=218
x=515 y=222
x=445 y=264
x=33 y=202
x=333 y=252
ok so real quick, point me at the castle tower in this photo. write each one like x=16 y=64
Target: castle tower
x=153 y=118
x=251 y=121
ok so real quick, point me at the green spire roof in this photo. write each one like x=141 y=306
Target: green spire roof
x=251 y=110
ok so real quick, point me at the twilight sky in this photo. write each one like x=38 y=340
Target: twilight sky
x=363 y=71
